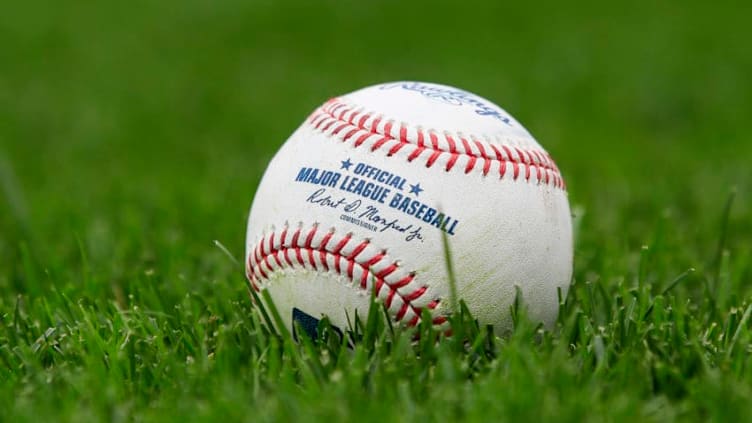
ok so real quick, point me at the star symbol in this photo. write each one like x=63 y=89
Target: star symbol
x=346 y=164
x=416 y=189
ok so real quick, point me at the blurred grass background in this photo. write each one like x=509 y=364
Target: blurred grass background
x=133 y=135
x=159 y=117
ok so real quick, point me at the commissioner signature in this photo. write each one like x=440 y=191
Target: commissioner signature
x=369 y=217
x=372 y=215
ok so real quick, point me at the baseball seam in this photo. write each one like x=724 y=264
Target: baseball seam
x=347 y=122
x=364 y=265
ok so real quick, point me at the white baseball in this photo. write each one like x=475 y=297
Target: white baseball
x=358 y=198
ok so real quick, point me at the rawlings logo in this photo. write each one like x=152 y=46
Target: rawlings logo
x=454 y=97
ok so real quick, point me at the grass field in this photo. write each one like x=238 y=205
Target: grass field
x=133 y=135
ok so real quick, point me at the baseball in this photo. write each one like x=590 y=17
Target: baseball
x=356 y=203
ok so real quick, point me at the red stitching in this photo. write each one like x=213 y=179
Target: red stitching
x=361 y=123
x=467 y=147
x=249 y=273
x=395 y=149
x=377 y=287
x=389 y=298
x=471 y=165
x=387 y=271
x=339 y=128
x=388 y=129
x=326 y=250
x=352 y=117
x=379 y=143
x=416 y=152
x=415 y=294
x=499 y=156
x=434 y=141
x=359 y=249
x=420 y=138
x=414 y=321
x=350 y=134
x=452 y=144
x=404 y=281
x=342 y=113
x=328 y=125
x=316 y=122
x=394 y=138
x=452 y=160
x=401 y=312
x=375 y=126
x=434 y=156
x=361 y=139
x=508 y=152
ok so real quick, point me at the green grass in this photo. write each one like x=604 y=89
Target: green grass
x=133 y=136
